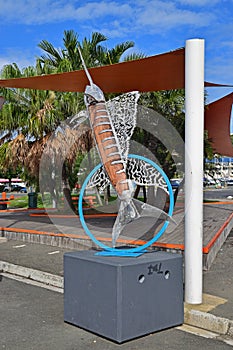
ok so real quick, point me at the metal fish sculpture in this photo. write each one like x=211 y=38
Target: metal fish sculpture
x=112 y=125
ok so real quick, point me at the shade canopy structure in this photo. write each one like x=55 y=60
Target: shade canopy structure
x=160 y=72
x=217 y=122
x=155 y=73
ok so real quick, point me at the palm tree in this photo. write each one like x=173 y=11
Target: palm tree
x=68 y=58
x=26 y=117
x=94 y=53
x=29 y=117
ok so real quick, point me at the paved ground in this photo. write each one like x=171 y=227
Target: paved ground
x=219 y=279
x=31 y=317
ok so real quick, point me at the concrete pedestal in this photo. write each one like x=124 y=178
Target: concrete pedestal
x=123 y=298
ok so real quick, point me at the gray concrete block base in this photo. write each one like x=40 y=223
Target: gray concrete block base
x=122 y=298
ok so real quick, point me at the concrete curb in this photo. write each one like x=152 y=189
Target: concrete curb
x=208 y=322
x=195 y=318
x=35 y=275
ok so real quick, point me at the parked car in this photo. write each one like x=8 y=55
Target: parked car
x=209 y=182
x=6 y=189
x=175 y=183
x=15 y=188
x=18 y=188
x=229 y=182
x=23 y=190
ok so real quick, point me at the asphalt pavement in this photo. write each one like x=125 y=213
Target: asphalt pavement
x=32 y=319
x=32 y=315
x=31 y=305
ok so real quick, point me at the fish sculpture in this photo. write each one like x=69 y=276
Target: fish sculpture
x=113 y=123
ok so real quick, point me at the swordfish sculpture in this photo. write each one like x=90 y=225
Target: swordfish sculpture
x=113 y=123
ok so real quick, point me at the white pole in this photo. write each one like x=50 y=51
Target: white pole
x=194 y=135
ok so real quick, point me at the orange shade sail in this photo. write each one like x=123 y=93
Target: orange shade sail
x=160 y=72
x=155 y=73
x=217 y=122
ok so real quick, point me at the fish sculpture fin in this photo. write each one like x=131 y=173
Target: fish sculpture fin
x=138 y=171
x=144 y=174
x=100 y=179
x=123 y=112
x=133 y=209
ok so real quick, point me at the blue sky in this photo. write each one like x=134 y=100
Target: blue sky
x=155 y=26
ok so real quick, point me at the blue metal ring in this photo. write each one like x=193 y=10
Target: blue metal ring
x=144 y=246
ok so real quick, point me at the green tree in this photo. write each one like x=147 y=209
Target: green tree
x=25 y=118
x=29 y=117
x=94 y=53
x=68 y=58
x=170 y=104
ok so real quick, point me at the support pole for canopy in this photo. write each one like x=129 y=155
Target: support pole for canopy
x=194 y=134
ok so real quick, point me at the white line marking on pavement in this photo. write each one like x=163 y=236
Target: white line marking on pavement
x=55 y=252
x=19 y=246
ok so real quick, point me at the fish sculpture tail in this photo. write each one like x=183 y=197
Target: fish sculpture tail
x=131 y=209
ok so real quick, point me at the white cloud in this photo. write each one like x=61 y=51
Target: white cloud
x=155 y=17
x=220 y=69
x=151 y=17
x=167 y=15
x=128 y=14
x=21 y=58
x=47 y=11
x=121 y=20
x=3 y=62
x=102 y=9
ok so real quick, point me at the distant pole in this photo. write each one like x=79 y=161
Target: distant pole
x=194 y=136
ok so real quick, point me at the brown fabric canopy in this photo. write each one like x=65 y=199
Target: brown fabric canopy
x=161 y=72
x=217 y=122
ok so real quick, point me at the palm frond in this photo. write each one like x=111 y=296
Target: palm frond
x=134 y=56
x=53 y=55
